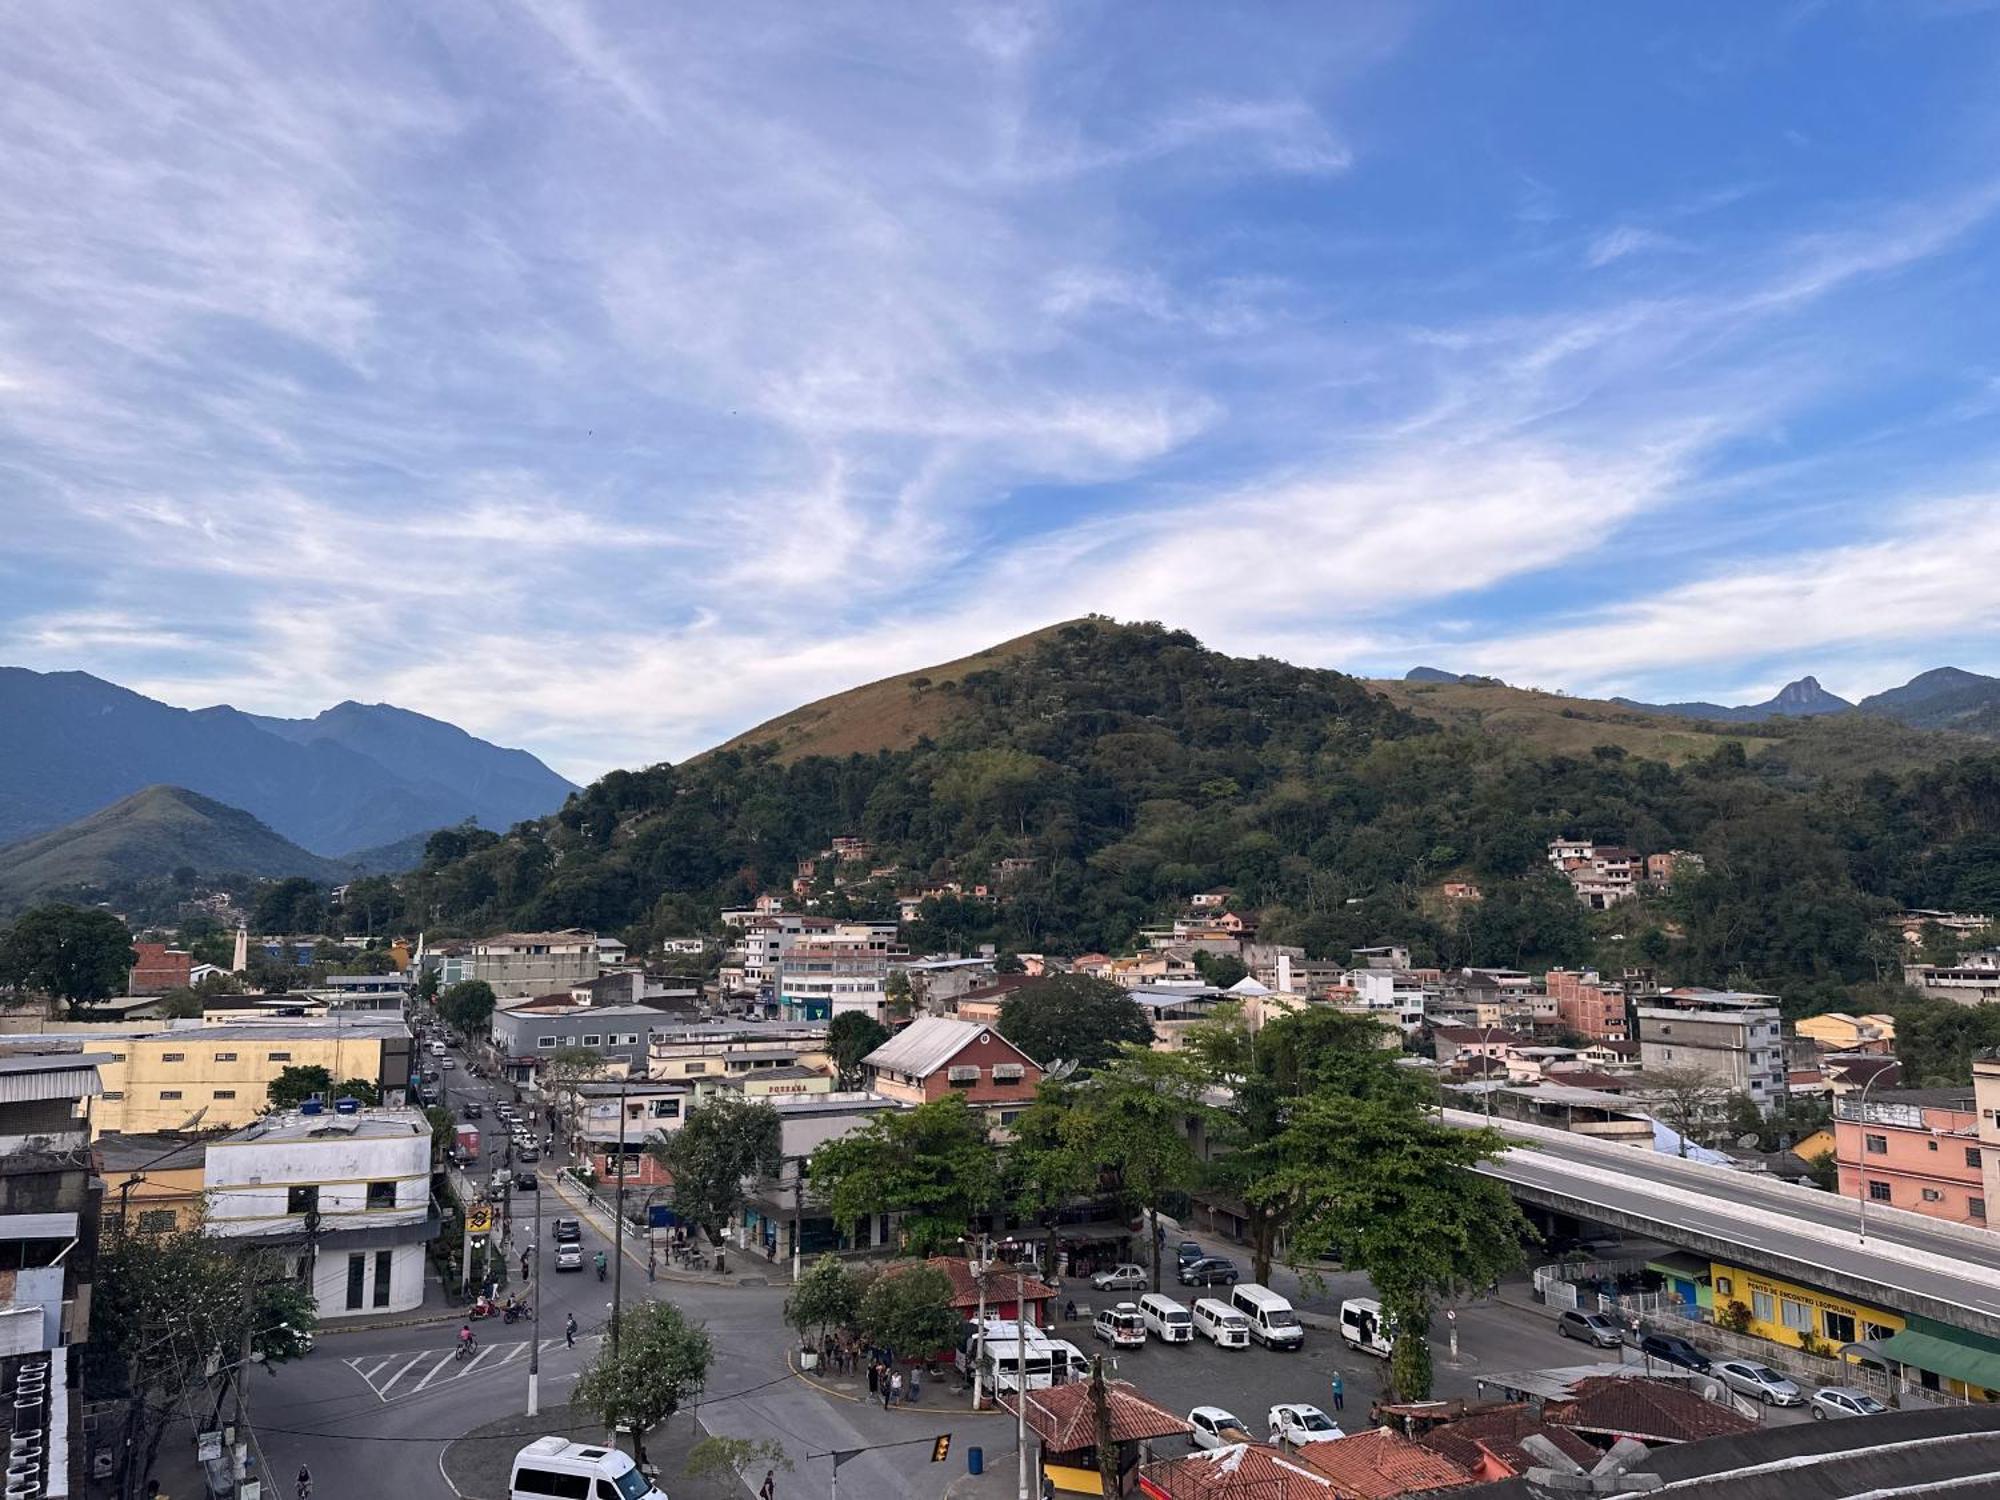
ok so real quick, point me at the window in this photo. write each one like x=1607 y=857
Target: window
x=357 y=1277
x=1878 y=1191
x=157 y=1221
x=1972 y=1156
x=1724 y=1287
x=1796 y=1314
x=281 y=1057
x=303 y=1200
x=225 y=1093
x=112 y=1094
x=696 y=1067
x=1877 y=1331
x=1877 y=1145
x=593 y=1040
x=120 y=1057
x=962 y=1077
x=1007 y=1072
x=225 y=1057
x=529 y=1481
x=170 y=1094
x=666 y=1109
x=381 y=1195
x=1932 y=1144
x=1932 y=1195
x=1763 y=1306
x=1975 y=1208
x=173 y=1057
x=1838 y=1326
x=546 y=1041
x=385 y=1266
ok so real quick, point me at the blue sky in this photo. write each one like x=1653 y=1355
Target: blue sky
x=607 y=378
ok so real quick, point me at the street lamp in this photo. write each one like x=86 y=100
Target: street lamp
x=1861 y=1159
x=1486 y=1034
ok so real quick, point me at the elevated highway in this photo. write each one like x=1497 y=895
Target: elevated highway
x=1906 y=1262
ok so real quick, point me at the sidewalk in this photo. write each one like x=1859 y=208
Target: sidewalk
x=759 y=1274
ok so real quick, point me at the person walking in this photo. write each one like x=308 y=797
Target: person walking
x=768 y=1490
x=896 y=1388
x=874 y=1375
x=305 y=1483
x=569 y=1332
x=1339 y=1391
x=916 y=1383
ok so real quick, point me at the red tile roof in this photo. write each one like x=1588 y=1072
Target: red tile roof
x=1379 y=1464
x=999 y=1283
x=1241 y=1471
x=1064 y=1417
x=1653 y=1411
x=1498 y=1434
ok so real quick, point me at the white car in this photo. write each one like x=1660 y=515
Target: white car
x=569 y=1256
x=1748 y=1378
x=1125 y=1278
x=1122 y=1327
x=1211 y=1423
x=1843 y=1401
x=1297 y=1424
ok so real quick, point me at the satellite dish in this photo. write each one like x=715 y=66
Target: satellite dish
x=1060 y=1071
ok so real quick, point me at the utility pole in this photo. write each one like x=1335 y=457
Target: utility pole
x=979 y=1335
x=618 y=1228
x=1020 y=1381
x=798 y=1211
x=535 y=1317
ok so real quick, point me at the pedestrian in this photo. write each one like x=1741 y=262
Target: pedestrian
x=524 y=1263
x=305 y=1483
x=652 y=1261
x=769 y=1488
x=569 y=1332
x=1339 y=1391
x=885 y=1390
x=916 y=1383
x=896 y=1388
x=874 y=1374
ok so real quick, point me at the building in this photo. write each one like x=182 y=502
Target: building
x=792 y=1081
x=1064 y=1420
x=49 y=1204
x=1663 y=869
x=158 y=969
x=817 y=981
x=937 y=1056
x=781 y=1214
x=705 y=1055
x=518 y=964
x=1588 y=1006
x=1731 y=1035
x=617 y=1147
x=1913 y=1148
x=183 y=1075
x=1837 y=1031
x=342 y=1200
x=1398 y=996
x=524 y=1037
x=1973 y=980
x=1578 y=1110
x=153 y=1182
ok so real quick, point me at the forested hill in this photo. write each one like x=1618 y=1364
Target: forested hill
x=1132 y=767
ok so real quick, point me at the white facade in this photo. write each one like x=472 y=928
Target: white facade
x=349 y=1192
x=1389 y=993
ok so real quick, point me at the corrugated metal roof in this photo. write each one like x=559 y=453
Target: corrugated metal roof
x=922 y=1047
x=37 y=1226
x=50 y=1075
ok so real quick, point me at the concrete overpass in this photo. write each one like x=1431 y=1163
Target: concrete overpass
x=1907 y=1262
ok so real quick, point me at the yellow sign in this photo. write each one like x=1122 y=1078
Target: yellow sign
x=479 y=1219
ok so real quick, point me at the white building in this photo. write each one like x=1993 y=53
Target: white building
x=1391 y=994
x=520 y=964
x=345 y=1199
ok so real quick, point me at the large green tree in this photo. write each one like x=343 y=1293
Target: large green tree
x=933 y=1165
x=852 y=1036
x=827 y=1296
x=467 y=1005
x=721 y=1142
x=1072 y=1017
x=908 y=1310
x=297 y=1083
x=1390 y=1190
x=1132 y=1118
x=659 y=1364
x=74 y=953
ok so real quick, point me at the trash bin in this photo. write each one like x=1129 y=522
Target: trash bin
x=975 y=1460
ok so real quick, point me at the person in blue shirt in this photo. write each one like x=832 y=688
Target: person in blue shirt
x=1339 y=1391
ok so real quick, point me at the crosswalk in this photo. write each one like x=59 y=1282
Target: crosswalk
x=406 y=1373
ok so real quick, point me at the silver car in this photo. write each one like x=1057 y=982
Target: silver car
x=1748 y=1378
x=1843 y=1401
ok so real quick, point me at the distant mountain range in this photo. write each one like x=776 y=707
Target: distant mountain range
x=341 y=785
x=1942 y=698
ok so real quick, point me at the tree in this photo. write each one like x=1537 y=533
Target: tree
x=1219 y=969
x=896 y=990
x=444 y=1131
x=1042 y=1170
x=370 y=902
x=467 y=1005
x=1687 y=1097
x=729 y=1458
x=720 y=1143
x=360 y=1090
x=298 y=1082
x=932 y=1164
x=1132 y=1118
x=73 y=953
x=1072 y=1017
x=181 y=1004
x=1391 y=1191
x=427 y=985
x=294 y=904
x=827 y=1296
x=660 y=1363
x=567 y=1070
x=852 y=1036
x=909 y=1311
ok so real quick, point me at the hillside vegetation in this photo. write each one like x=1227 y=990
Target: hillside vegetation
x=148 y=836
x=1132 y=767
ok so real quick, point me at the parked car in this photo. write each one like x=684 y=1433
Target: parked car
x=1125 y=1278
x=470 y=1110
x=1210 y=1423
x=569 y=1256
x=1186 y=1251
x=1210 y=1270
x=1843 y=1401
x=1748 y=1378
x=1672 y=1349
x=1122 y=1327
x=567 y=1231
x=1593 y=1328
x=446 y=1063
x=1298 y=1424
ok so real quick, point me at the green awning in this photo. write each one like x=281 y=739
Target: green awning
x=1941 y=1356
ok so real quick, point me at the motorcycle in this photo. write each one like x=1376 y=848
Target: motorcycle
x=482 y=1308
x=518 y=1312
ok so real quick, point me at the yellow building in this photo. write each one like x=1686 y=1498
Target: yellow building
x=188 y=1076
x=1814 y=1146
x=154 y=1181
x=1837 y=1031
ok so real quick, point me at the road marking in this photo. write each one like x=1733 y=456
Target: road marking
x=449 y=1357
x=444 y=1366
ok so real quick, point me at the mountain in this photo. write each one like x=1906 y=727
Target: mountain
x=1078 y=783
x=1942 y=698
x=149 y=835
x=71 y=743
x=1437 y=674
x=1795 y=700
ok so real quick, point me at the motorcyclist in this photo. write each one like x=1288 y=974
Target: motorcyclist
x=599 y=1262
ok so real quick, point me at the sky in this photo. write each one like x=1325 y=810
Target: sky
x=608 y=378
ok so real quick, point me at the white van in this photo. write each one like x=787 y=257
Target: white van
x=1363 y=1326
x=1067 y=1362
x=1218 y=1321
x=556 y=1467
x=1271 y=1319
x=1122 y=1327
x=1166 y=1319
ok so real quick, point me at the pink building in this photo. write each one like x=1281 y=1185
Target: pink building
x=1912 y=1148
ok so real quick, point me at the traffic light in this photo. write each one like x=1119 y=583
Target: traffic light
x=941 y=1449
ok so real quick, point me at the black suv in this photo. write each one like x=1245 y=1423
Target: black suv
x=1210 y=1270
x=470 y=1110
x=1673 y=1350
x=568 y=1230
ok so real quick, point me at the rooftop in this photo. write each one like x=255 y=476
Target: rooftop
x=1241 y=1471
x=922 y=1047
x=367 y=1124
x=162 y=1153
x=1065 y=1419
x=366 y=1025
x=1379 y=1464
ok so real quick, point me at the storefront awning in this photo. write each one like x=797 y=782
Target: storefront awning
x=1955 y=1361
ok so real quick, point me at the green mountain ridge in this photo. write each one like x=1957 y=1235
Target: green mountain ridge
x=149 y=835
x=1118 y=768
